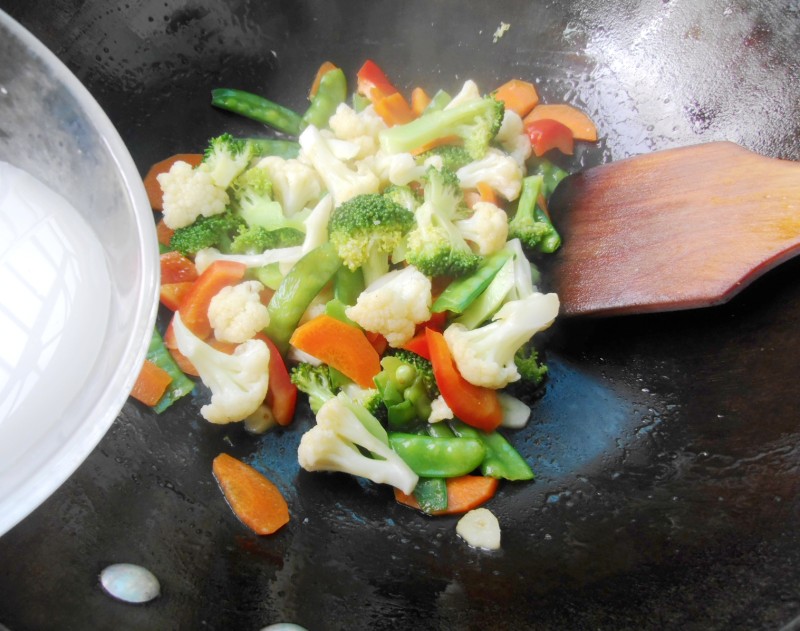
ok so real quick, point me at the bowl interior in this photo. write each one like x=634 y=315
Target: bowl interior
x=79 y=299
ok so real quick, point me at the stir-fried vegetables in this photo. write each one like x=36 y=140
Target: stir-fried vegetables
x=382 y=263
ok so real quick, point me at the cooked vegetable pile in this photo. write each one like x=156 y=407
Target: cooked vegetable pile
x=382 y=263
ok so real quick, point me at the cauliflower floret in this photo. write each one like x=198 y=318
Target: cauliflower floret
x=497 y=169
x=394 y=168
x=342 y=182
x=361 y=128
x=487 y=228
x=238 y=382
x=469 y=92
x=512 y=137
x=485 y=356
x=188 y=194
x=236 y=313
x=440 y=411
x=333 y=445
x=294 y=183
x=394 y=304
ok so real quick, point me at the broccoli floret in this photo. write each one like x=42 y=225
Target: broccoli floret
x=315 y=381
x=368 y=398
x=216 y=231
x=424 y=369
x=225 y=158
x=258 y=239
x=404 y=196
x=253 y=201
x=476 y=122
x=530 y=368
x=366 y=229
x=407 y=387
x=436 y=246
x=530 y=223
x=452 y=157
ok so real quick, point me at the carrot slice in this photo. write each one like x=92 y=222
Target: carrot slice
x=579 y=123
x=151 y=184
x=326 y=67
x=444 y=140
x=255 y=500
x=487 y=193
x=151 y=384
x=341 y=345
x=463 y=494
x=282 y=394
x=394 y=109
x=419 y=101
x=164 y=233
x=194 y=308
x=518 y=96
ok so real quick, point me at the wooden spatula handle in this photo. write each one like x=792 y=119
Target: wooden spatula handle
x=675 y=229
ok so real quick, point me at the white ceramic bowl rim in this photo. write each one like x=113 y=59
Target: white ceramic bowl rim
x=47 y=469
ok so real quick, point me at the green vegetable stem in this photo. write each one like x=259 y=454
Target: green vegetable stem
x=331 y=92
x=258 y=108
x=431 y=457
x=298 y=288
x=274 y=147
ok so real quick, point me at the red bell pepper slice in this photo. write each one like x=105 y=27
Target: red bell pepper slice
x=176 y=268
x=282 y=393
x=546 y=134
x=373 y=82
x=475 y=405
x=172 y=294
x=419 y=345
x=194 y=308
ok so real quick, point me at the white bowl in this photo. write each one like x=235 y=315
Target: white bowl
x=78 y=287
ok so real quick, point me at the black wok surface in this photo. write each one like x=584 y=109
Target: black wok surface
x=666 y=446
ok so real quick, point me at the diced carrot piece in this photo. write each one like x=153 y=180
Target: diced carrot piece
x=151 y=184
x=394 y=109
x=487 y=193
x=151 y=384
x=463 y=494
x=341 y=345
x=419 y=101
x=518 y=96
x=582 y=127
x=255 y=500
x=444 y=140
x=326 y=67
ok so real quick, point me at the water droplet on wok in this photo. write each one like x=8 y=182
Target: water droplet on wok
x=130 y=583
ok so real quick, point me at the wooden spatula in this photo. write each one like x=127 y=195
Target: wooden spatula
x=675 y=229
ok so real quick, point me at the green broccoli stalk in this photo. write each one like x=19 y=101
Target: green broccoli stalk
x=366 y=229
x=436 y=246
x=476 y=122
x=530 y=224
x=217 y=231
x=225 y=158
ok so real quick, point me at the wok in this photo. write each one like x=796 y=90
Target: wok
x=665 y=446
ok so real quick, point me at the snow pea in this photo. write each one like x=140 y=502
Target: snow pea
x=258 y=108
x=502 y=460
x=275 y=147
x=348 y=285
x=299 y=287
x=459 y=294
x=331 y=92
x=431 y=494
x=432 y=457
